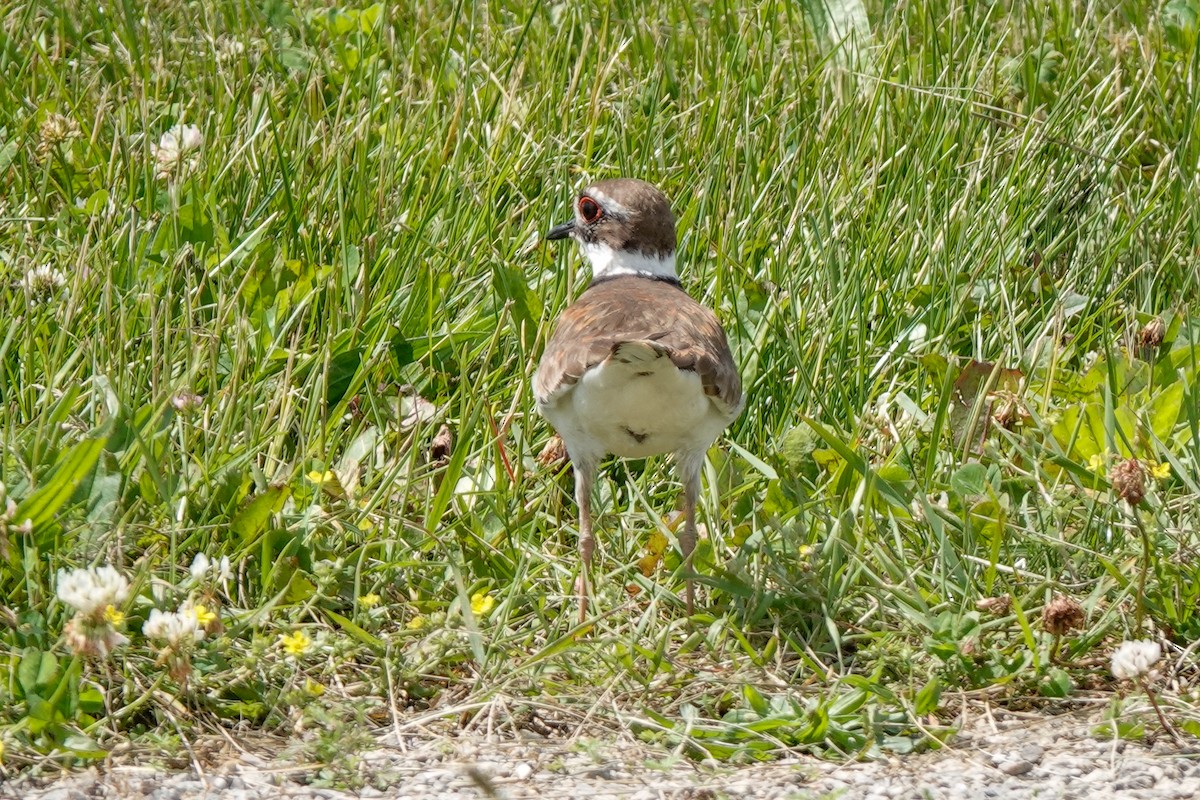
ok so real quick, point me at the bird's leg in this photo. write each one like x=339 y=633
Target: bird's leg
x=585 y=475
x=689 y=472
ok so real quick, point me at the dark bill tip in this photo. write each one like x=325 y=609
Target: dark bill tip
x=561 y=231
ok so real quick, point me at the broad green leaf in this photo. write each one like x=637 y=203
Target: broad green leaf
x=96 y=203
x=105 y=491
x=368 y=18
x=755 y=699
x=929 y=697
x=1179 y=21
x=195 y=224
x=970 y=480
x=251 y=519
x=83 y=746
x=72 y=468
x=297 y=59
x=349 y=56
x=39 y=712
x=37 y=670
x=1097 y=375
x=342 y=369
x=1094 y=436
x=402 y=350
x=894 y=473
x=91 y=700
x=299 y=589
x=901 y=745
x=1164 y=410
x=1056 y=683
x=937 y=365
x=1125 y=426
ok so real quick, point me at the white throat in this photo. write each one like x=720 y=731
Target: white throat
x=608 y=263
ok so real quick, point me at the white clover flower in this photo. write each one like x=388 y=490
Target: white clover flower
x=92 y=590
x=203 y=566
x=177 y=152
x=1132 y=660
x=200 y=567
x=229 y=48
x=174 y=627
x=43 y=282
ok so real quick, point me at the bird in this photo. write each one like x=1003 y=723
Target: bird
x=635 y=367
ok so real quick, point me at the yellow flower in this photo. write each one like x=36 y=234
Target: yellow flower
x=482 y=603
x=318 y=477
x=313 y=688
x=203 y=615
x=1096 y=463
x=113 y=615
x=328 y=481
x=804 y=550
x=657 y=543
x=369 y=600
x=295 y=644
x=1 y=749
x=416 y=623
x=1160 y=472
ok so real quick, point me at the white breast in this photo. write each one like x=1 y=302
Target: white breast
x=636 y=409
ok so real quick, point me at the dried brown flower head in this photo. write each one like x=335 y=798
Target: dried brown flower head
x=55 y=130
x=440 y=447
x=997 y=606
x=1152 y=333
x=1129 y=481
x=92 y=639
x=1062 y=615
x=1007 y=411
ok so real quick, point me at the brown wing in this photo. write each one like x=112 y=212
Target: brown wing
x=630 y=308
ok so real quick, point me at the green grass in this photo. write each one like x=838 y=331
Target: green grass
x=253 y=347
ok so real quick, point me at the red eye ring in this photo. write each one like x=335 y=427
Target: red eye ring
x=589 y=209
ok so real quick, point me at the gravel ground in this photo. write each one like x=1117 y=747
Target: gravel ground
x=1003 y=757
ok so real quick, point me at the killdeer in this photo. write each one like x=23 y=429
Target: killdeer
x=635 y=367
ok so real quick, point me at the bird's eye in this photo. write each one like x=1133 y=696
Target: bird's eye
x=589 y=209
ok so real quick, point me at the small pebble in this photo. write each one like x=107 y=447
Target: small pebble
x=1032 y=753
x=1017 y=767
x=1138 y=780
